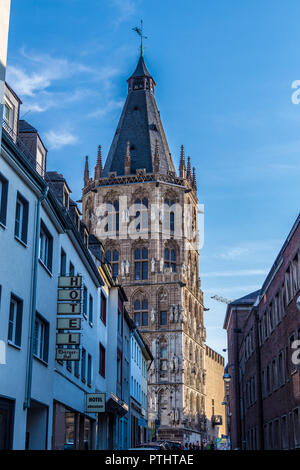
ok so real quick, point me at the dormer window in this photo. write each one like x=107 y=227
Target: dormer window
x=8 y=113
x=40 y=161
x=66 y=198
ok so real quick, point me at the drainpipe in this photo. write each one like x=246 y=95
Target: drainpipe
x=33 y=301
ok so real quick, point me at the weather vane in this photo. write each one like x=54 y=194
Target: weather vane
x=140 y=31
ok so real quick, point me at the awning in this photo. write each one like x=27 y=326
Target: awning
x=116 y=406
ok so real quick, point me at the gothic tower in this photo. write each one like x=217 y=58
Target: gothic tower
x=146 y=217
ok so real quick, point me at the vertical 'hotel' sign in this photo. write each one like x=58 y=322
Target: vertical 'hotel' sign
x=69 y=303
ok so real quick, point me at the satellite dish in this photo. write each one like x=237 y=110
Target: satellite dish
x=298 y=303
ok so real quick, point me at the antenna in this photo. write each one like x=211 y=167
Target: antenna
x=140 y=32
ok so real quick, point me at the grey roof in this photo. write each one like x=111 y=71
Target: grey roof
x=24 y=126
x=248 y=299
x=141 y=69
x=140 y=124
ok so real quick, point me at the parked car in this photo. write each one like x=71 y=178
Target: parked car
x=173 y=445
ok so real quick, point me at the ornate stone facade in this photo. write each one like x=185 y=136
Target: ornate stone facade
x=158 y=269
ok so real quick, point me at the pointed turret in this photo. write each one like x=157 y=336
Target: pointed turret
x=98 y=167
x=140 y=124
x=188 y=169
x=86 y=171
x=127 y=160
x=194 y=181
x=182 y=163
x=156 y=158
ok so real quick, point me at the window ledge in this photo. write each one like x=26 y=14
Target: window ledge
x=21 y=241
x=91 y=324
x=13 y=345
x=40 y=360
x=84 y=316
x=3 y=226
x=46 y=268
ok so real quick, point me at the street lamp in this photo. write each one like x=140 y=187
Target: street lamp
x=227 y=378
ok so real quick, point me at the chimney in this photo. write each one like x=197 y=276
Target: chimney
x=127 y=160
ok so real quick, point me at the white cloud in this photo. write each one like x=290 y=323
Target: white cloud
x=34 y=82
x=26 y=84
x=234 y=253
x=241 y=272
x=59 y=139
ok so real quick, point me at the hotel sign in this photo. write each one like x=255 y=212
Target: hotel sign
x=63 y=354
x=95 y=402
x=68 y=323
x=68 y=338
x=69 y=308
x=69 y=281
x=69 y=294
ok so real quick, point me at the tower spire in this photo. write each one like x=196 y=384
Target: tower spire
x=156 y=157
x=194 y=181
x=86 y=171
x=182 y=163
x=188 y=169
x=98 y=167
x=127 y=160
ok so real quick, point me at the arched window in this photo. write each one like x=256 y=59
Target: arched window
x=113 y=216
x=112 y=257
x=142 y=213
x=163 y=358
x=140 y=308
x=169 y=216
x=140 y=264
x=170 y=259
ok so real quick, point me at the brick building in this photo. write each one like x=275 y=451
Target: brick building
x=262 y=329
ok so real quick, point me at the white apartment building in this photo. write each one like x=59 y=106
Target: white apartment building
x=43 y=400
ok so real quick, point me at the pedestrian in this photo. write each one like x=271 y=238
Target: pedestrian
x=202 y=445
x=190 y=446
x=212 y=446
x=197 y=445
x=186 y=446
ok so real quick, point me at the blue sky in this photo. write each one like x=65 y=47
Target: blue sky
x=224 y=70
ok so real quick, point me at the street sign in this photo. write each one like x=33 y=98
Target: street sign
x=70 y=281
x=68 y=338
x=68 y=323
x=73 y=308
x=95 y=402
x=67 y=354
x=69 y=294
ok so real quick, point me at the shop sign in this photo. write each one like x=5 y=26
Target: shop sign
x=63 y=354
x=95 y=402
x=68 y=338
x=68 y=324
